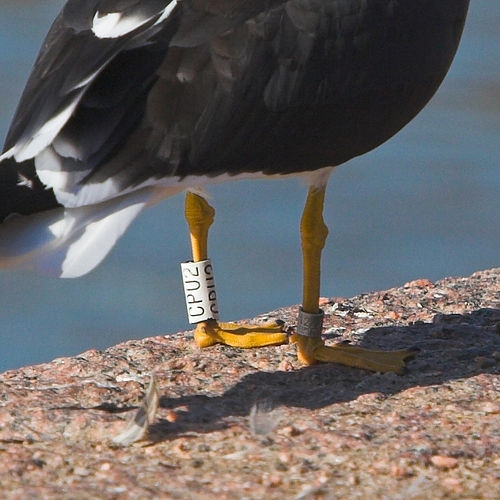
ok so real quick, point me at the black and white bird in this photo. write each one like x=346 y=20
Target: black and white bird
x=132 y=101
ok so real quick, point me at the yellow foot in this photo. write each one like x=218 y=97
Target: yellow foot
x=313 y=350
x=211 y=332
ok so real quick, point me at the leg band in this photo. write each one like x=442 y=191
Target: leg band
x=199 y=291
x=310 y=325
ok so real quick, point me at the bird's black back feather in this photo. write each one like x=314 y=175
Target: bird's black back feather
x=231 y=87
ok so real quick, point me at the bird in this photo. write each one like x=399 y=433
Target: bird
x=132 y=101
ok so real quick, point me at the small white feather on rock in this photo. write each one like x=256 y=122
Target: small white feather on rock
x=138 y=426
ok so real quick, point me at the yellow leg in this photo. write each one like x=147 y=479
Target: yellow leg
x=200 y=216
x=312 y=349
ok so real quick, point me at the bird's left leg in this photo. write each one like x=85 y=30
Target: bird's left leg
x=199 y=216
x=311 y=347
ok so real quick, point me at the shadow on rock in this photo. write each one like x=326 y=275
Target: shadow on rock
x=451 y=347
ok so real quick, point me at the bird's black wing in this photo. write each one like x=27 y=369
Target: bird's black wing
x=87 y=37
x=228 y=72
x=90 y=83
x=83 y=41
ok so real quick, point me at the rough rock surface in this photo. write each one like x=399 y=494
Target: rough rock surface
x=255 y=424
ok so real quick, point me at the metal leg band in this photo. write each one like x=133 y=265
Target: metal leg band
x=310 y=325
x=199 y=291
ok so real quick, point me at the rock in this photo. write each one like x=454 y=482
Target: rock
x=337 y=426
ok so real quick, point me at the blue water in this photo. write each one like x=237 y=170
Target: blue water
x=426 y=204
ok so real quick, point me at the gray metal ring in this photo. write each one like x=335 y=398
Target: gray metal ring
x=309 y=324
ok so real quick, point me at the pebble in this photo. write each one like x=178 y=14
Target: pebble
x=400 y=471
x=291 y=430
x=419 y=283
x=286 y=366
x=81 y=471
x=271 y=480
x=491 y=407
x=171 y=416
x=444 y=462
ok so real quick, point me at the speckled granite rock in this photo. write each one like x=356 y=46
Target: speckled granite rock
x=319 y=432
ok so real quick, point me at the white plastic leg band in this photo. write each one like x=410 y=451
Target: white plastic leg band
x=199 y=291
x=310 y=325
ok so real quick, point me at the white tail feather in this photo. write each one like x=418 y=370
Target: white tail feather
x=69 y=242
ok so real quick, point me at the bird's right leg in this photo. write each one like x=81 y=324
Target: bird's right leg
x=199 y=216
x=311 y=347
